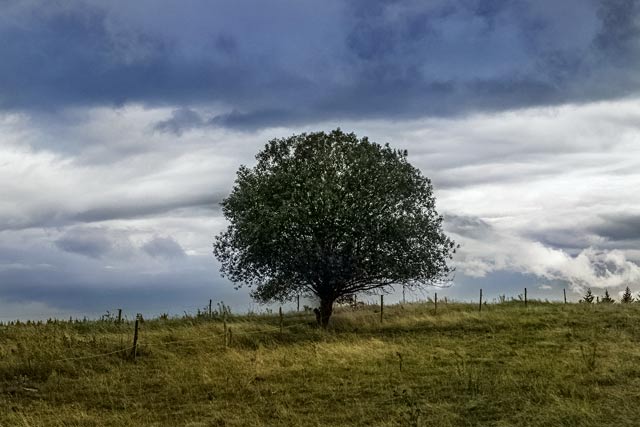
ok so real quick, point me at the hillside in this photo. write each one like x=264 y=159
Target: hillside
x=543 y=365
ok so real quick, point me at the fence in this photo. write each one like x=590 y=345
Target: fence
x=226 y=337
x=222 y=313
x=222 y=309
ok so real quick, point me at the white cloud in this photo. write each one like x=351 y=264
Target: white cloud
x=496 y=251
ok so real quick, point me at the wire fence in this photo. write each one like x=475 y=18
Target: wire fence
x=196 y=309
x=211 y=336
x=206 y=312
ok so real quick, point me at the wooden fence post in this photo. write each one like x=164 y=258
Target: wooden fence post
x=404 y=301
x=381 y=307
x=210 y=308
x=119 y=315
x=525 y=297
x=224 y=320
x=134 y=350
x=298 y=309
x=435 y=302
x=564 y=291
x=480 y=306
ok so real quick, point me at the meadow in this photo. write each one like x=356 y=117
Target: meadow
x=547 y=364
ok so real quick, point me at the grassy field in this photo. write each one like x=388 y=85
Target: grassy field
x=544 y=365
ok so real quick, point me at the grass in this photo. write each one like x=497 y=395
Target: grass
x=544 y=365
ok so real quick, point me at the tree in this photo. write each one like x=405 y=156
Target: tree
x=627 y=297
x=588 y=297
x=331 y=215
x=606 y=299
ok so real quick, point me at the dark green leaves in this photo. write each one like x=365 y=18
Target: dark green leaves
x=331 y=215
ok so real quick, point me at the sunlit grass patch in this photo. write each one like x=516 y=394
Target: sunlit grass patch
x=546 y=364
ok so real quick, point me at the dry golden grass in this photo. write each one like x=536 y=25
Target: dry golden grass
x=544 y=365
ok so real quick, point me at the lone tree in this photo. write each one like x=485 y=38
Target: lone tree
x=331 y=215
x=627 y=297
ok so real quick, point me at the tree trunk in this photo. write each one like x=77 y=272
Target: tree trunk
x=326 y=309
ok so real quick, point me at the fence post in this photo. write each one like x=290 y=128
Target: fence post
x=119 y=315
x=404 y=301
x=564 y=291
x=281 y=319
x=134 y=350
x=381 y=307
x=210 y=309
x=525 y=297
x=435 y=302
x=298 y=309
x=224 y=320
x=480 y=306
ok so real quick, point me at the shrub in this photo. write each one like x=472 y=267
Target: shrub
x=606 y=299
x=588 y=297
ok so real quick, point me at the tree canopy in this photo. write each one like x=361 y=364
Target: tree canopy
x=331 y=215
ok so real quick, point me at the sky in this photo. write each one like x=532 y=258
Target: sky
x=122 y=125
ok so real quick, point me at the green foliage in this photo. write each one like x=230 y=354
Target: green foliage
x=606 y=299
x=627 y=297
x=588 y=297
x=331 y=215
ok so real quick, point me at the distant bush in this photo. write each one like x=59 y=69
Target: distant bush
x=627 y=297
x=606 y=299
x=588 y=297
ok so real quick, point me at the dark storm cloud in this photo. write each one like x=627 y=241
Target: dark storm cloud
x=181 y=120
x=289 y=62
x=571 y=240
x=91 y=276
x=620 y=29
x=618 y=227
x=128 y=209
x=119 y=209
x=164 y=247
x=467 y=226
x=90 y=242
x=132 y=292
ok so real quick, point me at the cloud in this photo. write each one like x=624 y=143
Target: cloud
x=135 y=208
x=493 y=250
x=180 y=121
x=535 y=196
x=164 y=247
x=85 y=275
x=121 y=133
x=296 y=63
x=618 y=227
x=89 y=242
